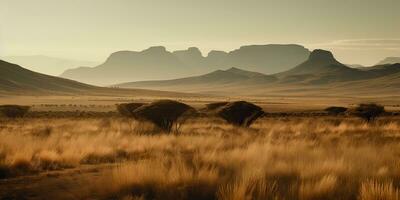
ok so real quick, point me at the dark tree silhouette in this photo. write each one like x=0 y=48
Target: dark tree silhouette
x=164 y=113
x=336 y=110
x=14 y=111
x=240 y=113
x=369 y=112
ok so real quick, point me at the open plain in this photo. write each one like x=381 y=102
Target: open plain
x=89 y=151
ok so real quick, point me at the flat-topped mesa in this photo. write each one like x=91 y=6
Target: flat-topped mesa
x=191 y=52
x=322 y=56
x=129 y=54
x=155 y=49
x=157 y=63
x=120 y=55
x=215 y=53
x=271 y=46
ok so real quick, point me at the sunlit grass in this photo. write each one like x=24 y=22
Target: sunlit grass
x=277 y=158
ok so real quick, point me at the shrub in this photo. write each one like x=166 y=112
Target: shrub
x=164 y=113
x=369 y=112
x=127 y=109
x=240 y=113
x=335 y=110
x=14 y=111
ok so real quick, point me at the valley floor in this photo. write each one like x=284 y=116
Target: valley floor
x=278 y=103
x=305 y=157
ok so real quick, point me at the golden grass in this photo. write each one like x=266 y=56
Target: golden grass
x=374 y=190
x=277 y=158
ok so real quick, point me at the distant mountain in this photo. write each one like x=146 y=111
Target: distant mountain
x=191 y=57
x=47 y=65
x=320 y=73
x=319 y=61
x=357 y=66
x=152 y=63
x=210 y=83
x=158 y=63
x=321 y=67
x=267 y=59
x=389 y=60
x=16 y=80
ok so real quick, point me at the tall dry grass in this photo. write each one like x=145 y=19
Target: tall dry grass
x=277 y=158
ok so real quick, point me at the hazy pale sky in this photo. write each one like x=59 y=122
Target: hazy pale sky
x=357 y=31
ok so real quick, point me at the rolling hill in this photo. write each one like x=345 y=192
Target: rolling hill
x=158 y=63
x=211 y=83
x=320 y=73
x=16 y=80
x=47 y=65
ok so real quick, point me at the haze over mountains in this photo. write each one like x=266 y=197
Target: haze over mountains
x=158 y=63
x=16 y=80
x=45 y=64
x=250 y=70
x=321 y=72
x=389 y=60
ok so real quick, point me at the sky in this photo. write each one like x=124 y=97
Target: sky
x=357 y=31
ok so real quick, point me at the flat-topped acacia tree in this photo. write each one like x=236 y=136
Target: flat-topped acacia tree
x=164 y=113
x=369 y=112
x=239 y=113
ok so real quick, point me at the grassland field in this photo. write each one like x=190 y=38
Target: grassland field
x=82 y=149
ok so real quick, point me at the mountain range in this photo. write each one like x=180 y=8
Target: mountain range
x=389 y=60
x=158 y=63
x=321 y=72
x=45 y=64
x=16 y=80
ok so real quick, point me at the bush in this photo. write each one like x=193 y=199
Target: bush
x=335 y=110
x=127 y=109
x=14 y=111
x=164 y=113
x=240 y=113
x=369 y=112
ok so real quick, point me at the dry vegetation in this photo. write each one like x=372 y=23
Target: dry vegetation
x=277 y=158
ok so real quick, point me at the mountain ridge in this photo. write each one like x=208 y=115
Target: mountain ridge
x=158 y=63
x=46 y=64
x=320 y=72
x=16 y=80
x=389 y=60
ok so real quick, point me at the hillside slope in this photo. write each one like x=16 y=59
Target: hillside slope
x=16 y=80
x=47 y=65
x=210 y=83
